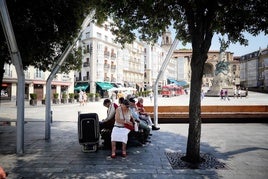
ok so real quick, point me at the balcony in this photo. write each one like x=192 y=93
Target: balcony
x=113 y=55
x=77 y=79
x=106 y=54
x=8 y=74
x=106 y=66
x=85 y=78
x=106 y=78
x=86 y=64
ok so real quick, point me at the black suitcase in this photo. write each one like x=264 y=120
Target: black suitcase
x=88 y=131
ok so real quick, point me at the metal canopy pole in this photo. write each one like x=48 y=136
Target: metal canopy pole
x=162 y=69
x=55 y=70
x=16 y=60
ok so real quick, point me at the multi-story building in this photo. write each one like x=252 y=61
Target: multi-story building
x=254 y=70
x=106 y=62
x=35 y=82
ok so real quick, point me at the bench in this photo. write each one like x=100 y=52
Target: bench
x=132 y=136
x=208 y=113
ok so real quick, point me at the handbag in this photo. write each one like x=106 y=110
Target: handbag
x=126 y=125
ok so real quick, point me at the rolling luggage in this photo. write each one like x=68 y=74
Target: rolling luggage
x=88 y=131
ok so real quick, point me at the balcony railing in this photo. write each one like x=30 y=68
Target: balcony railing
x=85 y=78
x=85 y=64
x=8 y=73
x=106 y=79
x=106 y=66
x=106 y=54
x=113 y=55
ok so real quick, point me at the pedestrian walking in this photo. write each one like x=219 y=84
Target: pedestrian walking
x=221 y=94
x=226 y=95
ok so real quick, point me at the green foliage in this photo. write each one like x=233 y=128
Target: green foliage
x=43 y=29
x=64 y=95
x=90 y=95
x=56 y=95
x=97 y=95
x=33 y=96
x=189 y=18
x=71 y=95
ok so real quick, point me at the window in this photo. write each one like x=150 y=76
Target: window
x=99 y=35
x=38 y=73
x=87 y=34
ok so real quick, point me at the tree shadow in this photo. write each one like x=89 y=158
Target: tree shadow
x=61 y=156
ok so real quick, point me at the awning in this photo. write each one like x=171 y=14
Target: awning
x=104 y=85
x=178 y=83
x=81 y=86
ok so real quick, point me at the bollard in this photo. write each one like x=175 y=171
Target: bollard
x=51 y=116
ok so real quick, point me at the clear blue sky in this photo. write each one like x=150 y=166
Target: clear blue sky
x=254 y=43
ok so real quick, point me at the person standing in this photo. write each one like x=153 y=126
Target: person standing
x=221 y=94
x=81 y=95
x=226 y=95
x=119 y=132
x=235 y=92
x=84 y=98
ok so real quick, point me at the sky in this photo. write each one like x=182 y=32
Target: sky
x=254 y=44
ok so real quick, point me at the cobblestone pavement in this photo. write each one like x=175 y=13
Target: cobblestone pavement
x=243 y=147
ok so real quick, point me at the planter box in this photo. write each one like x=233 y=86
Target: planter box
x=33 y=102
x=64 y=101
x=71 y=100
x=97 y=98
x=56 y=101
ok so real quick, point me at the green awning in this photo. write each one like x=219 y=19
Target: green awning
x=104 y=85
x=81 y=86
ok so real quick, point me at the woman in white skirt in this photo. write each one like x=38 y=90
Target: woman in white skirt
x=120 y=133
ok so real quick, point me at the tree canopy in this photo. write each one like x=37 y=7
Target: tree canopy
x=195 y=21
x=43 y=29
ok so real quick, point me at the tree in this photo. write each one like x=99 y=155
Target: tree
x=43 y=29
x=195 y=21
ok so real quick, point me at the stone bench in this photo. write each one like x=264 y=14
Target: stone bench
x=176 y=113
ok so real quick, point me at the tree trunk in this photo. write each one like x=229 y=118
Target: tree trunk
x=194 y=131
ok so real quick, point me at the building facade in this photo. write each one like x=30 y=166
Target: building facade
x=35 y=82
x=135 y=65
x=254 y=70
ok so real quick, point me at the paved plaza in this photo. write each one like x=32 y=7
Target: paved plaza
x=243 y=147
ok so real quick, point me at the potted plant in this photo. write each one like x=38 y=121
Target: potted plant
x=33 y=99
x=97 y=96
x=44 y=100
x=90 y=96
x=64 y=97
x=71 y=98
x=56 y=98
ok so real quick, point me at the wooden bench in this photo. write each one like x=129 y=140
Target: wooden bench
x=208 y=113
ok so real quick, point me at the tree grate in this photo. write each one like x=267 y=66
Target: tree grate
x=208 y=162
